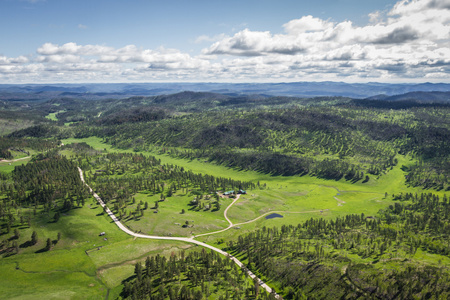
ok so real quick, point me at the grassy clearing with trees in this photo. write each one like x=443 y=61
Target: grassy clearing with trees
x=352 y=182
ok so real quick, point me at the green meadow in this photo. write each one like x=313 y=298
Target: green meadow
x=296 y=198
x=83 y=265
x=53 y=116
x=8 y=167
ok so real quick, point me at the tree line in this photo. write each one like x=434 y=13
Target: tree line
x=194 y=275
x=357 y=256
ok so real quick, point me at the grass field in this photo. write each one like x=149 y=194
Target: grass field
x=8 y=167
x=52 y=116
x=67 y=272
x=169 y=221
x=293 y=194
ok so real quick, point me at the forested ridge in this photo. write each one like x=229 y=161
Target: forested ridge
x=328 y=142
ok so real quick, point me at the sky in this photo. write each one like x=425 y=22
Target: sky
x=66 y=41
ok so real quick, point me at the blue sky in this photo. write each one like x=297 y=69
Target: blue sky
x=45 y=41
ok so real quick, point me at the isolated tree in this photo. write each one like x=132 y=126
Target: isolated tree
x=49 y=244
x=59 y=236
x=57 y=216
x=16 y=246
x=183 y=211
x=16 y=233
x=34 y=238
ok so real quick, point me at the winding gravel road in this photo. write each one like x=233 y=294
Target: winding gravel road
x=226 y=217
x=255 y=219
x=188 y=240
x=13 y=160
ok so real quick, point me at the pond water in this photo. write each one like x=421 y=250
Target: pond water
x=271 y=216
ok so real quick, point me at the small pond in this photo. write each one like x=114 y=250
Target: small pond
x=271 y=216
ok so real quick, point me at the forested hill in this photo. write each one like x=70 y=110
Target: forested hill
x=327 y=137
x=291 y=89
x=357 y=187
x=324 y=141
x=422 y=97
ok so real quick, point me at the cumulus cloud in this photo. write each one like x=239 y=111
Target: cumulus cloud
x=13 y=60
x=393 y=42
x=409 y=41
x=306 y=24
x=255 y=43
x=398 y=36
x=405 y=7
x=408 y=21
x=103 y=63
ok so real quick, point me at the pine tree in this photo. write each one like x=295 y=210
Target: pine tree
x=49 y=244
x=34 y=238
x=16 y=233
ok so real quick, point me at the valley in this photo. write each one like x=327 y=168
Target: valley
x=357 y=188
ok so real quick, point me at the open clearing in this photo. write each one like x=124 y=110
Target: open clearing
x=67 y=270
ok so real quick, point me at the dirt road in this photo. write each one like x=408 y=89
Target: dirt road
x=188 y=240
x=13 y=160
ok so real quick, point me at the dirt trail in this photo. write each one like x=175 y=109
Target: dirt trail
x=340 y=202
x=253 y=220
x=188 y=240
x=226 y=217
x=13 y=160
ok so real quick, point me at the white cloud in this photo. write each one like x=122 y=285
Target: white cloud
x=13 y=60
x=411 y=41
x=82 y=26
x=375 y=17
x=255 y=43
x=408 y=7
x=398 y=42
x=306 y=24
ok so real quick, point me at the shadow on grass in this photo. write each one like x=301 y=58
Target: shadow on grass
x=14 y=237
x=42 y=250
x=26 y=244
x=8 y=253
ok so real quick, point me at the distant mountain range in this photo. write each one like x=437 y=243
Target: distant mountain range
x=420 y=96
x=372 y=91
